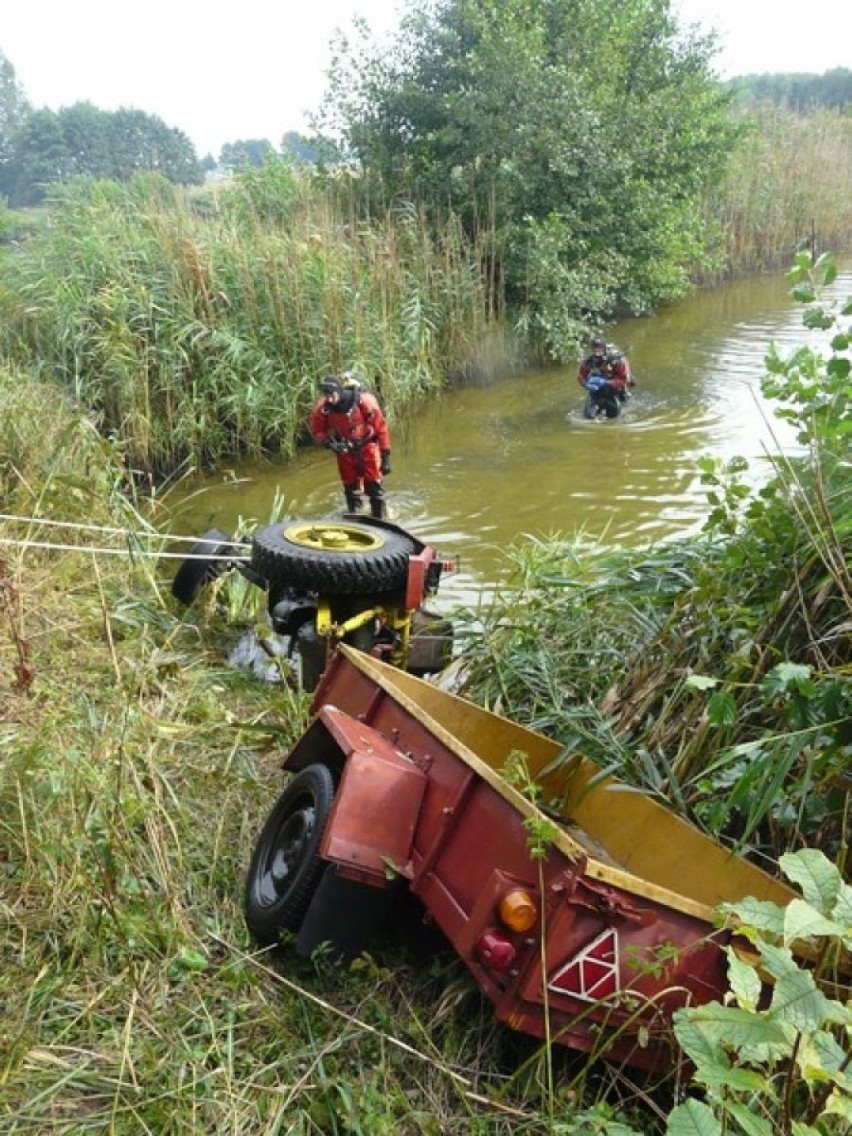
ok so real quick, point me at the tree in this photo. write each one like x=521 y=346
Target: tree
x=14 y=108
x=580 y=133
x=81 y=140
x=303 y=150
x=142 y=142
x=38 y=157
x=251 y=152
x=800 y=92
x=87 y=141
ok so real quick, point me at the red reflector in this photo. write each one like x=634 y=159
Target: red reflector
x=593 y=973
x=495 y=951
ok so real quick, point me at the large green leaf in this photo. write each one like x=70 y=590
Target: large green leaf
x=702 y=1046
x=744 y=981
x=797 y=1001
x=731 y=1026
x=821 y=1058
x=817 y=877
x=801 y=921
x=759 y=914
x=693 y=1118
x=749 y=1122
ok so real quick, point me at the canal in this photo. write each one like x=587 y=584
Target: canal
x=480 y=467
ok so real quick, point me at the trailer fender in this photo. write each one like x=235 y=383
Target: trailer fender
x=376 y=806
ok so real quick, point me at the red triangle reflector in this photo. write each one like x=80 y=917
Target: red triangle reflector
x=591 y=974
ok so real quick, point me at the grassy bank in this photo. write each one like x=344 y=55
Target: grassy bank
x=136 y=772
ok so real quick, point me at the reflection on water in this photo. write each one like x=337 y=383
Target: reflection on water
x=476 y=468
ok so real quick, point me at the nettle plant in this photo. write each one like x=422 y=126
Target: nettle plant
x=781 y=572
x=775 y=1057
x=814 y=392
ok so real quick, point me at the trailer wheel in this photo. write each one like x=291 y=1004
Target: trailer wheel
x=337 y=558
x=216 y=547
x=285 y=868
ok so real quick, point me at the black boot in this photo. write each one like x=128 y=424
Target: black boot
x=376 y=493
x=353 y=497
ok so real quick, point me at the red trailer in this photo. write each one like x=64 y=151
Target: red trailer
x=398 y=782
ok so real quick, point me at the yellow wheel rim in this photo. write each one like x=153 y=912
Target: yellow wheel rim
x=331 y=537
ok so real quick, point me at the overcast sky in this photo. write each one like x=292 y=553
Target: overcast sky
x=252 y=69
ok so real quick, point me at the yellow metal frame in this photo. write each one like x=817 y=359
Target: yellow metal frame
x=399 y=620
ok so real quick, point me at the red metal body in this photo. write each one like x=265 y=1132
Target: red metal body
x=625 y=896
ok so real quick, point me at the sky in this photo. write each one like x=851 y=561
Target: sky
x=221 y=73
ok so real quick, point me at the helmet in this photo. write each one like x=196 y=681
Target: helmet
x=331 y=384
x=599 y=345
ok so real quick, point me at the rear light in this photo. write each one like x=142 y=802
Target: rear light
x=518 y=911
x=495 y=951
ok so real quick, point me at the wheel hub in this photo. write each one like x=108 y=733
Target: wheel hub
x=287 y=854
x=334 y=537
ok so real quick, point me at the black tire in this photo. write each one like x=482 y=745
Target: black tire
x=217 y=548
x=335 y=558
x=285 y=869
x=346 y=915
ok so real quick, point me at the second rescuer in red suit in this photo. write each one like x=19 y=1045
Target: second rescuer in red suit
x=605 y=361
x=349 y=420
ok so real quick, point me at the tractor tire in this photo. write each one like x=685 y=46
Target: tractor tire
x=216 y=547
x=285 y=867
x=333 y=558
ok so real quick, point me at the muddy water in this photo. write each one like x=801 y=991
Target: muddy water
x=476 y=468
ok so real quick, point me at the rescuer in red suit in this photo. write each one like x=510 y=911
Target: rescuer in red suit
x=348 y=420
x=605 y=361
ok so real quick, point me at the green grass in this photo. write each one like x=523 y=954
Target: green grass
x=136 y=771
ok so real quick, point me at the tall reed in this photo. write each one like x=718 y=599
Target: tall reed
x=787 y=188
x=197 y=326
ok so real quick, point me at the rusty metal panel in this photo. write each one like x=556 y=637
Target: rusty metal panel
x=378 y=802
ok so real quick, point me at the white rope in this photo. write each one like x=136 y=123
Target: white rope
x=111 y=531
x=24 y=544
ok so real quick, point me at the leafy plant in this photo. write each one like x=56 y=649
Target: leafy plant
x=777 y=1063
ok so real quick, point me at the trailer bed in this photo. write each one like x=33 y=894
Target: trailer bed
x=595 y=943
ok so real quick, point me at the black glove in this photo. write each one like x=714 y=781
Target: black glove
x=336 y=444
x=386 y=464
